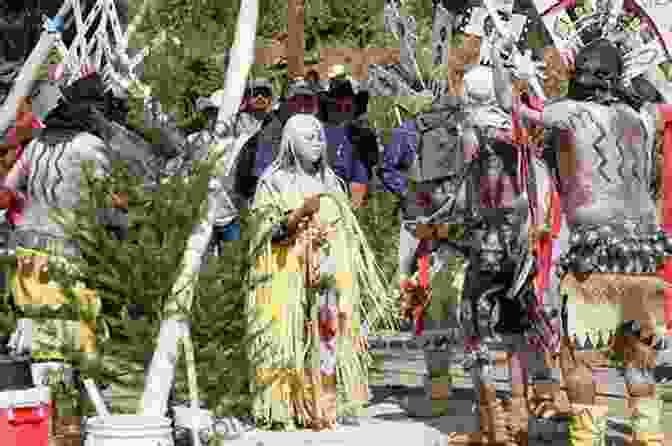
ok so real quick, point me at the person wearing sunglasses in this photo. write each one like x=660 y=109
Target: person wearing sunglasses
x=255 y=121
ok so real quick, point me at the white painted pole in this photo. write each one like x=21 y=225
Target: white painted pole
x=96 y=399
x=188 y=346
x=162 y=369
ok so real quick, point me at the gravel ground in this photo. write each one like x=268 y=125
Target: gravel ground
x=397 y=390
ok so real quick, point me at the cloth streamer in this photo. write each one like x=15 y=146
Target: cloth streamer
x=544 y=245
x=665 y=272
x=423 y=252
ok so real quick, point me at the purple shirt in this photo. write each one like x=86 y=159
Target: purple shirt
x=264 y=156
x=347 y=164
x=398 y=157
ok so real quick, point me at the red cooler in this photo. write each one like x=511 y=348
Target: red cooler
x=25 y=417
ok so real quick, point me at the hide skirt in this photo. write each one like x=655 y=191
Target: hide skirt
x=599 y=302
x=34 y=291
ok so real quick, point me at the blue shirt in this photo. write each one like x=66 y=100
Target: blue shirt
x=343 y=159
x=398 y=157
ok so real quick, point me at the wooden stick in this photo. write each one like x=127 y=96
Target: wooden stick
x=295 y=40
x=315 y=374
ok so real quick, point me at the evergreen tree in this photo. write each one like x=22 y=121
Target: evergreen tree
x=142 y=270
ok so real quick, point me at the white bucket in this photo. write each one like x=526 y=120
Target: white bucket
x=129 y=430
x=184 y=418
x=40 y=371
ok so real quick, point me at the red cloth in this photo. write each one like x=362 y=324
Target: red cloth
x=544 y=245
x=423 y=273
x=424 y=200
x=13 y=215
x=666 y=271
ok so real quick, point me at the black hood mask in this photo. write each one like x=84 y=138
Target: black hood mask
x=599 y=68
x=85 y=106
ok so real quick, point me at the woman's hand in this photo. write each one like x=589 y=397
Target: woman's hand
x=311 y=205
x=120 y=200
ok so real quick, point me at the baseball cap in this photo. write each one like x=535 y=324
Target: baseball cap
x=301 y=87
x=216 y=99
x=339 y=88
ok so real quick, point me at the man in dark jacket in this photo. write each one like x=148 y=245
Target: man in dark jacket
x=345 y=157
x=255 y=118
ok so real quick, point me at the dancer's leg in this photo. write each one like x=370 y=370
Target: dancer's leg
x=490 y=415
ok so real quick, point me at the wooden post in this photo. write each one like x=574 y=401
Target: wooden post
x=295 y=41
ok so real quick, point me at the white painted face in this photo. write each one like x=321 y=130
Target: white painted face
x=309 y=138
x=479 y=86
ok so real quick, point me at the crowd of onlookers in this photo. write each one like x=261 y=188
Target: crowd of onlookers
x=352 y=146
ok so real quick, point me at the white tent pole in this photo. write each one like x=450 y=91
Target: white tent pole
x=162 y=369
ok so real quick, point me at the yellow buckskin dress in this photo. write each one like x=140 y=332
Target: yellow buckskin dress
x=279 y=301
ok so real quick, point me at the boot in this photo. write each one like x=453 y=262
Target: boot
x=493 y=420
x=578 y=377
x=492 y=423
x=646 y=422
x=639 y=357
x=547 y=400
x=547 y=396
x=588 y=425
x=519 y=419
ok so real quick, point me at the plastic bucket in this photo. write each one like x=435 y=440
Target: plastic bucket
x=25 y=416
x=40 y=372
x=184 y=418
x=129 y=430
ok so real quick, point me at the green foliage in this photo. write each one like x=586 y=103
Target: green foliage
x=447 y=290
x=143 y=269
x=380 y=222
x=8 y=316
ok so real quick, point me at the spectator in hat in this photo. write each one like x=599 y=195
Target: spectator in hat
x=344 y=156
x=302 y=97
x=256 y=121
